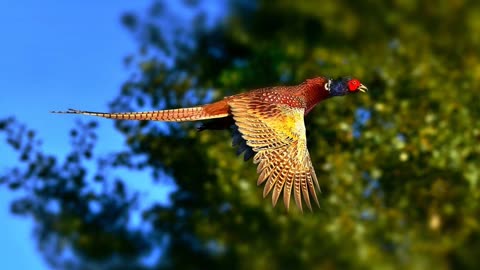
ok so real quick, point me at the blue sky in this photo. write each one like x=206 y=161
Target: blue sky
x=58 y=54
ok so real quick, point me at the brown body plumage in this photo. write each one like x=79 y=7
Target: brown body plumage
x=269 y=125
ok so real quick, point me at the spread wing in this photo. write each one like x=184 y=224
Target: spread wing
x=276 y=133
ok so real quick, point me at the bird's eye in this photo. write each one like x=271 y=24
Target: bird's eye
x=327 y=85
x=353 y=85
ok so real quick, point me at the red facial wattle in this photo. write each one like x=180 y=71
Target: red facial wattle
x=353 y=85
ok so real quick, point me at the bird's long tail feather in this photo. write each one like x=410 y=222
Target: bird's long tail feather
x=209 y=111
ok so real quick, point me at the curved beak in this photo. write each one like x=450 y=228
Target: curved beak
x=362 y=88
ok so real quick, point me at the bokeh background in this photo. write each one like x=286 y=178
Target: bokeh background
x=399 y=167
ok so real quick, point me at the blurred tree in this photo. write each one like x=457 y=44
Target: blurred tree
x=399 y=167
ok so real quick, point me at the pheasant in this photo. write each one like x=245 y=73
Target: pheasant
x=268 y=125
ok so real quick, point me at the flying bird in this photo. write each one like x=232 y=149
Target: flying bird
x=268 y=125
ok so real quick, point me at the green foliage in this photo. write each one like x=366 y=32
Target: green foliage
x=400 y=187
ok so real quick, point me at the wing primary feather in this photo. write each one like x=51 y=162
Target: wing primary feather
x=314 y=177
x=287 y=191
x=306 y=196
x=265 y=174
x=278 y=189
x=297 y=193
x=311 y=187
x=271 y=182
x=261 y=166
